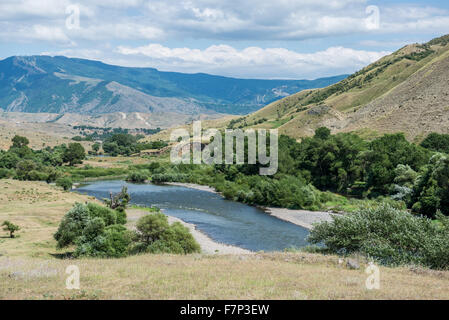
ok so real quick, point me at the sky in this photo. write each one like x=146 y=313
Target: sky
x=264 y=39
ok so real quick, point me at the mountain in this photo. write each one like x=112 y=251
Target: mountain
x=43 y=84
x=407 y=91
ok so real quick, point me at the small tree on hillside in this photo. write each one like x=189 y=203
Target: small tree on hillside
x=11 y=228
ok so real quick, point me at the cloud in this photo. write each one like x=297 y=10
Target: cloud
x=220 y=20
x=256 y=24
x=252 y=61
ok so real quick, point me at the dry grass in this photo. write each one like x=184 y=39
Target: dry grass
x=41 y=135
x=262 y=276
x=113 y=162
x=31 y=269
x=37 y=208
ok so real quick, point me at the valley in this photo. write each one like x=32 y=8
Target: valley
x=361 y=181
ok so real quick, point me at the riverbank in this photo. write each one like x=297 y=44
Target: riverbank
x=302 y=218
x=208 y=246
x=193 y=186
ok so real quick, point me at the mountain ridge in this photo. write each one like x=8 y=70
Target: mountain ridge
x=407 y=91
x=35 y=84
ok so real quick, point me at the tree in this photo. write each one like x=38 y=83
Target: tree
x=151 y=227
x=431 y=190
x=436 y=142
x=96 y=147
x=20 y=147
x=65 y=182
x=11 y=228
x=322 y=133
x=19 y=142
x=383 y=157
x=154 y=234
x=24 y=168
x=9 y=160
x=74 y=154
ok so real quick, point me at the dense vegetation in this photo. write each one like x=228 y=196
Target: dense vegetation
x=22 y=163
x=90 y=133
x=377 y=180
x=127 y=144
x=97 y=231
x=386 y=169
x=387 y=235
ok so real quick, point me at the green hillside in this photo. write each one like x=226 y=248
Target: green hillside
x=406 y=91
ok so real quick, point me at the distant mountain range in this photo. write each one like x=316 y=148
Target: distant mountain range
x=60 y=85
x=407 y=91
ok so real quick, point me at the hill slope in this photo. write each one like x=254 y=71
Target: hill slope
x=38 y=84
x=407 y=91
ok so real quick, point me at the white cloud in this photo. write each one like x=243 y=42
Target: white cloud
x=197 y=23
x=220 y=20
x=252 y=61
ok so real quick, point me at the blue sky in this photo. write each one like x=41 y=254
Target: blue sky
x=290 y=39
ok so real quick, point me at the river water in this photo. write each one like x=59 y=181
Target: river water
x=222 y=220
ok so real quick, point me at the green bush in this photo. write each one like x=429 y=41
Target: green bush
x=109 y=216
x=66 y=183
x=155 y=235
x=137 y=176
x=168 y=177
x=84 y=221
x=101 y=241
x=431 y=190
x=388 y=235
x=72 y=225
x=6 y=173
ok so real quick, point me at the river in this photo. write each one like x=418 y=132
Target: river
x=224 y=221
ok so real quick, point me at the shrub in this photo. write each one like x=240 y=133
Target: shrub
x=24 y=168
x=83 y=220
x=109 y=216
x=72 y=225
x=6 y=173
x=168 y=177
x=98 y=240
x=65 y=183
x=137 y=176
x=436 y=142
x=388 y=235
x=9 y=160
x=155 y=235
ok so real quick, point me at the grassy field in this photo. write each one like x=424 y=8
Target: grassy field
x=31 y=267
x=41 y=135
